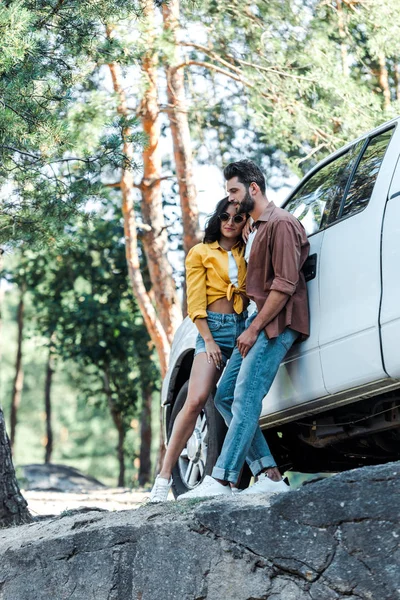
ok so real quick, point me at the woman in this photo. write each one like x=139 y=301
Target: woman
x=215 y=277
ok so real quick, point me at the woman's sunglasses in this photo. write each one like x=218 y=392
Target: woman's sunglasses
x=224 y=217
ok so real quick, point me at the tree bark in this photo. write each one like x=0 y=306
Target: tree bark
x=342 y=34
x=151 y=320
x=153 y=323
x=145 y=438
x=180 y=131
x=19 y=373
x=155 y=240
x=13 y=506
x=118 y=422
x=396 y=76
x=384 y=80
x=47 y=401
x=1 y=293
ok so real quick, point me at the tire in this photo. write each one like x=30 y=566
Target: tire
x=202 y=449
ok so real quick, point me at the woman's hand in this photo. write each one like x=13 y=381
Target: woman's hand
x=214 y=353
x=247 y=229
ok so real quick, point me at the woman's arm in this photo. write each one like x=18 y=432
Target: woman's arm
x=196 y=284
x=197 y=302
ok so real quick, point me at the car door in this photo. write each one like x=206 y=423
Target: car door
x=300 y=377
x=390 y=307
x=350 y=270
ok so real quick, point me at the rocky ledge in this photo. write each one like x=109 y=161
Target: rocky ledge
x=336 y=538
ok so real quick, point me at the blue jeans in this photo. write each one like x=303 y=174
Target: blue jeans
x=239 y=397
x=225 y=329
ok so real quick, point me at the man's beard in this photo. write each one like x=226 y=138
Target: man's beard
x=247 y=204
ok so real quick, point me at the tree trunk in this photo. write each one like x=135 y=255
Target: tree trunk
x=152 y=322
x=13 y=506
x=155 y=240
x=178 y=119
x=47 y=401
x=19 y=373
x=1 y=302
x=384 y=80
x=118 y=422
x=342 y=34
x=145 y=438
x=396 y=76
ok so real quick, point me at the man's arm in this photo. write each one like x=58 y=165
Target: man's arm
x=286 y=250
x=272 y=307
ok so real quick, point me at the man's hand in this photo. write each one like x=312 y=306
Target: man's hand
x=246 y=341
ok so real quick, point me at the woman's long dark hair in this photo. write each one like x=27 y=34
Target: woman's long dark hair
x=212 y=232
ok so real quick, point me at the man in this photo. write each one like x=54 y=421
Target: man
x=277 y=289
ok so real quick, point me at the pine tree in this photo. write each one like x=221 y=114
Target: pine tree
x=45 y=48
x=85 y=308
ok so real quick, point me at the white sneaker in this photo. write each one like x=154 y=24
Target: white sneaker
x=208 y=488
x=265 y=485
x=160 y=490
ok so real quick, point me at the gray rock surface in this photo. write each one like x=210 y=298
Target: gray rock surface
x=337 y=538
x=57 y=478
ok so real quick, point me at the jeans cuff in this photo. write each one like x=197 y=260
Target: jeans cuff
x=258 y=465
x=225 y=475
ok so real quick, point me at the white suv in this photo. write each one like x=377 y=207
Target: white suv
x=335 y=403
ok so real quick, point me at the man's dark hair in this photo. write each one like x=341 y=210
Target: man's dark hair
x=247 y=172
x=212 y=232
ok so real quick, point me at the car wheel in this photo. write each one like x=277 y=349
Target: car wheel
x=198 y=457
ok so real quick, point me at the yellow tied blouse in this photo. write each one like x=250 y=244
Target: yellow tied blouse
x=207 y=278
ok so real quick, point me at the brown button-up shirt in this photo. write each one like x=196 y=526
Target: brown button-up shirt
x=277 y=256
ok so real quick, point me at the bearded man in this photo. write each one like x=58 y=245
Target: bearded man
x=277 y=249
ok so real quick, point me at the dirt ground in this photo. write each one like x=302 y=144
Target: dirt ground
x=52 y=489
x=54 y=503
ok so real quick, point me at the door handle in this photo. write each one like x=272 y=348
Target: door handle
x=310 y=267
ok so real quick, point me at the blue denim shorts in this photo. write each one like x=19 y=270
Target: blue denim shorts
x=225 y=330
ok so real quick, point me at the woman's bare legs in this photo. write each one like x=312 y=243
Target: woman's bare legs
x=203 y=378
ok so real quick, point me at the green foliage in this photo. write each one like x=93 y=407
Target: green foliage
x=48 y=52
x=280 y=82
x=298 y=87
x=307 y=87
x=82 y=295
x=82 y=305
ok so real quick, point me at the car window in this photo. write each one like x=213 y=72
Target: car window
x=322 y=193
x=364 y=178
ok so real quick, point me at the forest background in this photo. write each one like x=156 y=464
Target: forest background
x=110 y=113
